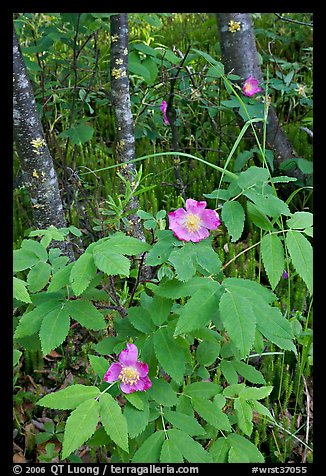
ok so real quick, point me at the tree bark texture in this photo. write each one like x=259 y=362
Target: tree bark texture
x=120 y=95
x=38 y=174
x=239 y=55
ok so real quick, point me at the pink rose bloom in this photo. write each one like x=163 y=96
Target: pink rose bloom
x=131 y=372
x=250 y=87
x=193 y=223
x=163 y=109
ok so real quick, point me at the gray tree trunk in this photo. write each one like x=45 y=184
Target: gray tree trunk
x=38 y=174
x=240 y=54
x=120 y=95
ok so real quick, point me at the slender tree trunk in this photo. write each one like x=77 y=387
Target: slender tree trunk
x=38 y=174
x=120 y=95
x=240 y=55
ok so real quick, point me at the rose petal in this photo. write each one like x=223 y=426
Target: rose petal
x=199 y=235
x=129 y=356
x=142 y=369
x=210 y=219
x=177 y=217
x=193 y=206
x=113 y=373
x=127 y=388
x=181 y=232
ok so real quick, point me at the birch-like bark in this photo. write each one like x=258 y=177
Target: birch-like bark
x=239 y=53
x=120 y=95
x=38 y=174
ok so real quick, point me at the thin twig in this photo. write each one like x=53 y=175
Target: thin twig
x=290 y=20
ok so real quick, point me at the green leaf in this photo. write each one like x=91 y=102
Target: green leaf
x=80 y=426
x=140 y=318
x=301 y=254
x=272 y=206
x=69 y=398
x=114 y=422
x=161 y=251
x=35 y=247
x=38 y=277
x=243 y=413
x=175 y=289
x=258 y=217
x=211 y=412
x=150 y=450
x=233 y=217
x=169 y=353
x=202 y=389
x=30 y=322
x=136 y=400
x=137 y=420
x=261 y=409
x=239 y=320
x=229 y=371
x=19 y=290
x=16 y=356
x=207 y=352
x=184 y=422
x=273 y=258
x=99 y=364
x=256 y=393
x=251 y=176
x=162 y=392
x=125 y=245
x=200 y=309
x=248 y=372
x=242 y=450
x=160 y=309
x=54 y=329
x=61 y=278
x=191 y=450
x=106 y=345
x=206 y=257
x=170 y=452
x=78 y=134
x=183 y=260
x=274 y=327
x=219 y=450
x=24 y=259
x=300 y=220
x=82 y=272
x=250 y=288
x=112 y=263
x=86 y=314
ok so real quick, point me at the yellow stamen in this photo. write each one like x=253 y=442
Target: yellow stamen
x=129 y=375
x=192 y=223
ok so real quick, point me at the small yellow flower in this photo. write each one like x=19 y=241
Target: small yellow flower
x=234 y=26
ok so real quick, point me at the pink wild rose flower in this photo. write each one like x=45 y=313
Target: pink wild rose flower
x=163 y=109
x=132 y=373
x=193 y=223
x=250 y=86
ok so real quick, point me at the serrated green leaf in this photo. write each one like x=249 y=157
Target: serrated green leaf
x=184 y=422
x=251 y=176
x=301 y=254
x=16 y=356
x=78 y=134
x=24 y=259
x=243 y=413
x=211 y=412
x=140 y=318
x=261 y=409
x=272 y=206
x=229 y=372
x=99 y=364
x=170 y=452
x=239 y=320
x=106 y=345
x=219 y=450
x=207 y=352
x=61 y=278
x=30 y=322
x=125 y=245
x=200 y=309
x=191 y=450
x=112 y=263
x=202 y=389
x=19 y=290
x=114 y=422
x=80 y=426
x=248 y=372
x=169 y=353
x=54 y=329
x=300 y=220
x=175 y=289
x=183 y=260
x=242 y=450
x=256 y=393
x=249 y=288
x=150 y=450
x=161 y=250
x=137 y=420
x=35 y=247
x=233 y=217
x=159 y=309
x=86 y=314
x=136 y=400
x=162 y=392
x=206 y=257
x=69 y=397
x=274 y=327
x=38 y=277
x=258 y=217
x=273 y=258
x=82 y=272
